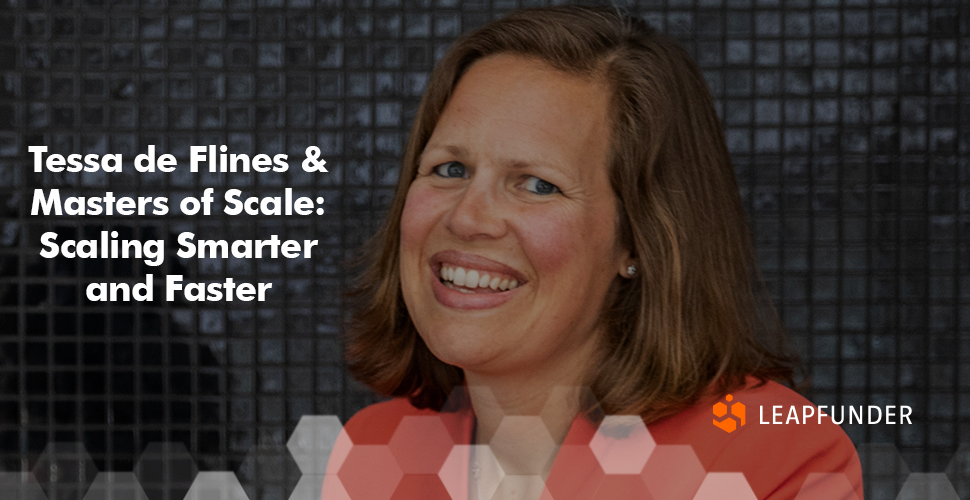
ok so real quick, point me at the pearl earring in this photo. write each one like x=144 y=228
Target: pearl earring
x=631 y=270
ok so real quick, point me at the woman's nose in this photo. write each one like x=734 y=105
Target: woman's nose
x=477 y=213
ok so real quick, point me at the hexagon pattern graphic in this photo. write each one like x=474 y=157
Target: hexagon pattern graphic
x=576 y=474
x=622 y=444
x=116 y=486
x=64 y=471
x=513 y=484
x=338 y=454
x=464 y=457
x=216 y=486
x=420 y=444
x=165 y=471
x=309 y=487
x=370 y=472
x=551 y=409
x=725 y=486
x=333 y=488
x=429 y=485
x=883 y=470
x=927 y=486
x=822 y=486
x=959 y=471
x=313 y=440
x=621 y=461
x=673 y=472
x=268 y=472
x=622 y=487
x=20 y=486
x=521 y=431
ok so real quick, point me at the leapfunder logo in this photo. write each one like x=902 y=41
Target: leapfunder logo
x=729 y=424
x=729 y=414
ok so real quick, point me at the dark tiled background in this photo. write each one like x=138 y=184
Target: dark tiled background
x=848 y=124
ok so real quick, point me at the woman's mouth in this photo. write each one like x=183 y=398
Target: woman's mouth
x=462 y=280
x=475 y=281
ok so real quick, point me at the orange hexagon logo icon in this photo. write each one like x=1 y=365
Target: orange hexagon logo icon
x=729 y=423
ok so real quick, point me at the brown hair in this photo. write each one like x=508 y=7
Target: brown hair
x=696 y=317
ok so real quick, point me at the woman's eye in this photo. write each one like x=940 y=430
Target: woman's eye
x=450 y=169
x=539 y=186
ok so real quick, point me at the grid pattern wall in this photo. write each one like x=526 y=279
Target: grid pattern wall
x=847 y=122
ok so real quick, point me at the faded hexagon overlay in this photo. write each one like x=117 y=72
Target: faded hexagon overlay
x=464 y=457
x=429 y=484
x=65 y=470
x=340 y=451
x=20 y=486
x=115 y=486
x=959 y=471
x=622 y=444
x=823 y=486
x=165 y=471
x=883 y=470
x=420 y=444
x=673 y=472
x=216 y=486
x=313 y=440
x=370 y=472
x=309 y=487
x=576 y=474
x=623 y=487
x=522 y=432
x=584 y=394
x=268 y=472
x=927 y=486
x=725 y=486
x=513 y=485
x=333 y=488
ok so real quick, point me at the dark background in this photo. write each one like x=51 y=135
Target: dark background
x=848 y=122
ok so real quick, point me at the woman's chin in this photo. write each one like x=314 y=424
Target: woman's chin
x=468 y=356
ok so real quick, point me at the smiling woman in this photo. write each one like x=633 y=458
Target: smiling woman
x=514 y=125
x=567 y=244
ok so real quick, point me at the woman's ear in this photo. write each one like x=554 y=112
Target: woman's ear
x=629 y=270
x=627 y=265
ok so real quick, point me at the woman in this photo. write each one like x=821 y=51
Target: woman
x=567 y=244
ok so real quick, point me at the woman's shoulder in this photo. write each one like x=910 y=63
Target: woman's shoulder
x=376 y=423
x=773 y=435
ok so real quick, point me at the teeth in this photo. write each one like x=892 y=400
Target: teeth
x=471 y=278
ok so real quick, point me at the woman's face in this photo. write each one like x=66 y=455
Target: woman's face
x=508 y=235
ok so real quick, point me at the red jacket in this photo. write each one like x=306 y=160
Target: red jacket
x=393 y=450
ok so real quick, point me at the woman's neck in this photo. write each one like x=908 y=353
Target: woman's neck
x=524 y=414
x=524 y=422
